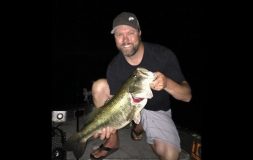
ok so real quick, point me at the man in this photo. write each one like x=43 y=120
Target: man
x=156 y=118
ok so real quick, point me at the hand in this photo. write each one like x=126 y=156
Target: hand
x=160 y=82
x=105 y=133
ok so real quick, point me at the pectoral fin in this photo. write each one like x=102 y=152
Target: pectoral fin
x=137 y=118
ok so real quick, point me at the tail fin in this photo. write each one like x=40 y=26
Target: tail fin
x=75 y=144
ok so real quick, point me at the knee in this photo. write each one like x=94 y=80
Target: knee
x=100 y=92
x=165 y=151
x=99 y=86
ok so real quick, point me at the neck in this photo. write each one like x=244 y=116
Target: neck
x=136 y=59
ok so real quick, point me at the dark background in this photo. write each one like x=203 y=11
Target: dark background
x=82 y=47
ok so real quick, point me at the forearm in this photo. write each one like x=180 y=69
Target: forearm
x=178 y=91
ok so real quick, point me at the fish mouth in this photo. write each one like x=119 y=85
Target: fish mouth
x=137 y=100
x=144 y=72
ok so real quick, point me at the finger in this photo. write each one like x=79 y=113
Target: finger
x=102 y=136
x=113 y=130
x=153 y=85
x=108 y=132
x=96 y=135
x=156 y=75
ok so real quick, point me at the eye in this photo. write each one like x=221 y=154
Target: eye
x=131 y=33
x=118 y=35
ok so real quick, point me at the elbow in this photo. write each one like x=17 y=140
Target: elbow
x=187 y=93
x=188 y=98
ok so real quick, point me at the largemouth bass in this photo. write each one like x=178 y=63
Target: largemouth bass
x=119 y=111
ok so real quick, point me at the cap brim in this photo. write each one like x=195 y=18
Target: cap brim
x=113 y=30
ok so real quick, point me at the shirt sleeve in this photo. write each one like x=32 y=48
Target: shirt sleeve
x=173 y=69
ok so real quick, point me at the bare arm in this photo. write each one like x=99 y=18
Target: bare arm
x=180 y=91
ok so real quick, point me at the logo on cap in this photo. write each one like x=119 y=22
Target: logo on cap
x=130 y=18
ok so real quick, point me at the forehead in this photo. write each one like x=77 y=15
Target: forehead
x=124 y=28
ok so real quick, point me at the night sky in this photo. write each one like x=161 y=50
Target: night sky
x=82 y=47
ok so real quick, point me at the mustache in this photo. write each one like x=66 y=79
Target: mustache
x=124 y=44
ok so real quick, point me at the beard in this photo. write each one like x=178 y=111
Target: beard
x=129 y=51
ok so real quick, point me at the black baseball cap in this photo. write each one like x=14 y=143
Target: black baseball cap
x=125 y=18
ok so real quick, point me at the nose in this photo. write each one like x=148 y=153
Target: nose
x=125 y=39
